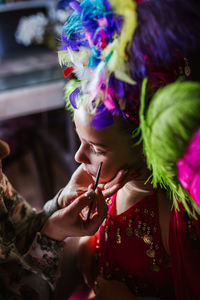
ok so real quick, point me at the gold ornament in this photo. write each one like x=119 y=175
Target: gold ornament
x=148 y=239
x=155 y=267
x=106 y=232
x=129 y=230
x=118 y=236
x=151 y=253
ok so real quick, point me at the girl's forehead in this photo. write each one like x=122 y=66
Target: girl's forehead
x=109 y=136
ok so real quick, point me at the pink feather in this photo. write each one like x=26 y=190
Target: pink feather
x=108 y=100
x=188 y=168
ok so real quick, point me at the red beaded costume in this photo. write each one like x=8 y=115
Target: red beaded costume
x=132 y=237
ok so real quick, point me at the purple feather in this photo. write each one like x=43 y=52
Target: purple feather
x=119 y=87
x=73 y=96
x=75 y=6
x=164 y=26
x=102 y=118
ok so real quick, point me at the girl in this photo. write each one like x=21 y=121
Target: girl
x=132 y=244
x=145 y=249
x=110 y=53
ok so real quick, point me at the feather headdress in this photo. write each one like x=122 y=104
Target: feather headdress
x=167 y=128
x=93 y=47
x=110 y=46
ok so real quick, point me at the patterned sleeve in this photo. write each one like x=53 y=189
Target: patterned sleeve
x=39 y=253
x=25 y=220
x=43 y=256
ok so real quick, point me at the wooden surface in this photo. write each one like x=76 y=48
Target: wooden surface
x=30 y=100
x=30 y=84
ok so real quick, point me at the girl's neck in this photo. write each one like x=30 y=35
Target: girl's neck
x=132 y=192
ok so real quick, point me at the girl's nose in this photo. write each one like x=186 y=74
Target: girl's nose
x=81 y=155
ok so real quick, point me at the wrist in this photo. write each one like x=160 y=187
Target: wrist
x=52 y=205
x=48 y=231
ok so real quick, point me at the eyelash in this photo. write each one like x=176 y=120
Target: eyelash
x=97 y=152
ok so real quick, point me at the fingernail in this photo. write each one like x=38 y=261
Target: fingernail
x=91 y=186
x=106 y=186
x=79 y=192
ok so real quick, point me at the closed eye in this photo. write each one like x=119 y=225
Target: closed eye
x=97 y=151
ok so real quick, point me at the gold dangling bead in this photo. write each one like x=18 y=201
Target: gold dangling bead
x=138 y=230
x=97 y=244
x=154 y=266
x=147 y=239
x=129 y=230
x=106 y=232
x=151 y=252
x=118 y=236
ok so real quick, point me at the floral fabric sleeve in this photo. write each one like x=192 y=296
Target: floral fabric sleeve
x=44 y=256
x=22 y=221
x=25 y=254
x=25 y=220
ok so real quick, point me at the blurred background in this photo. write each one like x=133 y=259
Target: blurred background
x=33 y=119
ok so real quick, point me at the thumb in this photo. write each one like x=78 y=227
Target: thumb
x=78 y=204
x=117 y=179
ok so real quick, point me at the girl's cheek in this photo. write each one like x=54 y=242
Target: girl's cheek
x=107 y=174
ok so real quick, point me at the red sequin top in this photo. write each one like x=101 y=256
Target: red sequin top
x=129 y=248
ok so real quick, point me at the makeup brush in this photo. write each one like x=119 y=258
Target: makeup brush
x=94 y=188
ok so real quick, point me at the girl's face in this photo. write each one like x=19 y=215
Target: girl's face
x=110 y=145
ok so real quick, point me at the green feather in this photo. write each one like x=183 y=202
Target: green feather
x=167 y=127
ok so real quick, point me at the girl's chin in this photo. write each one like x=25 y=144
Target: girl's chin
x=105 y=180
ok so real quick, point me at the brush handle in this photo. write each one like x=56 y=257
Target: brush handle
x=94 y=188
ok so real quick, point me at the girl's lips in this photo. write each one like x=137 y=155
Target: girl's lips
x=92 y=175
x=89 y=173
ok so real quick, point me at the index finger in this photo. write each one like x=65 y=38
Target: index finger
x=117 y=179
x=112 y=190
x=80 y=203
x=102 y=207
x=101 y=213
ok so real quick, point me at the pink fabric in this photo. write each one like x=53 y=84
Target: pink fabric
x=81 y=293
x=188 y=168
x=138 y=1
